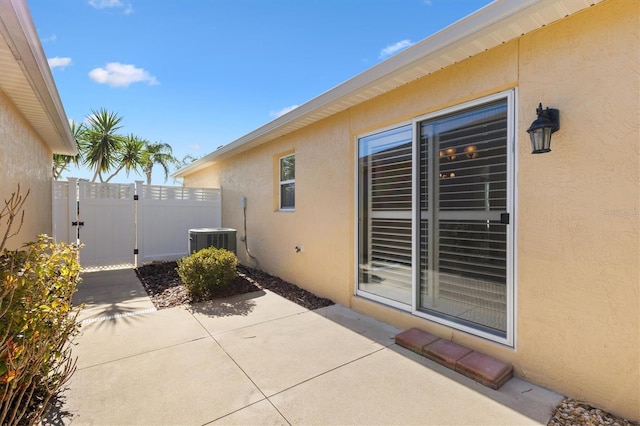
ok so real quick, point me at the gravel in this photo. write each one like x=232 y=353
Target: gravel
x=571 y=412
x=164 y=287
x=162 y=283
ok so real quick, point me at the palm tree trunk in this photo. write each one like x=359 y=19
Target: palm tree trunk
x=115 y=173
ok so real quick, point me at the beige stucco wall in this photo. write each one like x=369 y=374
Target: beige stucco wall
x=24 y=160
x=577 y=215
x=579 y=258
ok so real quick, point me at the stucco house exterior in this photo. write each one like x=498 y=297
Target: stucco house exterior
x=410 y=193
x=33 y=124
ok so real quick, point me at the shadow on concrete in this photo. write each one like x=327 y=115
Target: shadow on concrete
x=240 y=305
x=110 y=295
x=56 y=415
x=111 y=287
x=105 y=315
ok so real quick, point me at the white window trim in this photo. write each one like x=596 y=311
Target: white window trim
x=509 y=339
x=284 y=182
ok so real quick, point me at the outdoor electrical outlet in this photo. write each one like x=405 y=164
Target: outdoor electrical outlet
x=242 y=238
x=243 y=202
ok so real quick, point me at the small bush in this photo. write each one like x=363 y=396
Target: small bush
x=37 y=322
x=207 y=270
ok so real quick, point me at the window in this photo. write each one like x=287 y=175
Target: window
x=288 y=182
x=434 y=199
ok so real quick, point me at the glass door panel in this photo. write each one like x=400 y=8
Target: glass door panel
x=384 y=220
x=464 y=217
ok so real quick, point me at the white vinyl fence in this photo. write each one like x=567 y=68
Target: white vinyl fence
x=126 y=225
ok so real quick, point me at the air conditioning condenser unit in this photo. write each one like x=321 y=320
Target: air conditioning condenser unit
x=200 y=238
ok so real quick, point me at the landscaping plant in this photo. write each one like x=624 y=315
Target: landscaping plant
x=37 y=320
x=207 y=270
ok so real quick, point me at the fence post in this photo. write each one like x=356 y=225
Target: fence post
x=72 y=234
x=137 y=223
x=55 y=232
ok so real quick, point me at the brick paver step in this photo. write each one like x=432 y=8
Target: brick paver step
x=480 y=367
x=485 y=369
x=415 y=339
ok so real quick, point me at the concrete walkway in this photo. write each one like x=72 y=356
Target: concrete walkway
x=258 y=359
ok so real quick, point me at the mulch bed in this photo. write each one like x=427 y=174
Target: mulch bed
x=164 y=287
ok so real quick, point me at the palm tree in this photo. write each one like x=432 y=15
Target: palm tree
x=131 y=155
x=60 y=164
x=157 y=153
x=102 y=142
x=60 y=161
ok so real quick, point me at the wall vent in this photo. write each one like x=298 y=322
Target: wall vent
x=200 y=238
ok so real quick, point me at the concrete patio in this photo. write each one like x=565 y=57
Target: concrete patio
x=260 y=359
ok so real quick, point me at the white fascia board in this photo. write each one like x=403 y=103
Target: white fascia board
x=19 y=32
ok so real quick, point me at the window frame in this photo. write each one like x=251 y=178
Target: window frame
x=509 y=338
x=282 y=183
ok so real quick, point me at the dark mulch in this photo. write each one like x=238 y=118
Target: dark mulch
x=164 y=287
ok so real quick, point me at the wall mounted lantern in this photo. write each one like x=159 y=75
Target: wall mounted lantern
x=548 y=122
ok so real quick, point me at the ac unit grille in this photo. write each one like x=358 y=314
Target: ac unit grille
x=224 y=238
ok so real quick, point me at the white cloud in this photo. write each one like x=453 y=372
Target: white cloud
x=103 y=4
x=395 y=48
x=283 y=111
x=108 y=4
x=194 y=146
x=58 y=62
x=52 y=38
x=428 y=2
x=116 y=74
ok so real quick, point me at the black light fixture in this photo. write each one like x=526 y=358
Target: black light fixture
x=548 y=122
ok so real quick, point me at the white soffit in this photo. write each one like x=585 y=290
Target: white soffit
x=26 y=79
x=494 y=24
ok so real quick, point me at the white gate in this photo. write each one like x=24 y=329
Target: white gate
x=125 y=225
x=106 y=216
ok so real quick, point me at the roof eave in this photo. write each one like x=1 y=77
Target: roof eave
x=490 y=26
x=41 y=105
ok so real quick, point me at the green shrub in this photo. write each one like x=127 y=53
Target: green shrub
x=207 y=270
x=37 y=322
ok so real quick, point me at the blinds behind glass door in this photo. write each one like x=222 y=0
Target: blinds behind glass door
x=473 y=161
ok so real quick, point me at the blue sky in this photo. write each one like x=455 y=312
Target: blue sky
x=197 y=74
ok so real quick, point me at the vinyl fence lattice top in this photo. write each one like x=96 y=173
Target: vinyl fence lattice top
x=158 y=192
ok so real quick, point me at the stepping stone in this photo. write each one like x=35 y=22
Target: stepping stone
x=477 y=366
x=485 y=369
x=445 y=352
x=415 y=339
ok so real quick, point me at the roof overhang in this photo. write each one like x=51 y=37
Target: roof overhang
x=25 y=77
x=494 y=24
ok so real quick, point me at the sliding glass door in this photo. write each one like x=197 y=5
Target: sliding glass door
x=434 y=217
